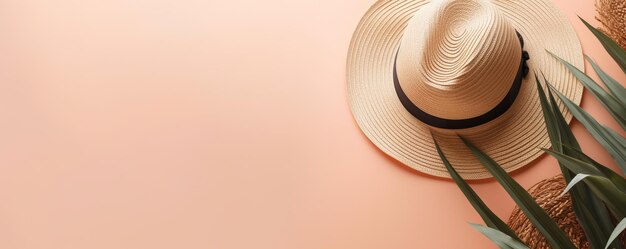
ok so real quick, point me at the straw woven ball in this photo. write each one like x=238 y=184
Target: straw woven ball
x=612 y=15
x=547 y=194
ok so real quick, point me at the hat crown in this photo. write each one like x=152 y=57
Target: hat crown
x=458 y=58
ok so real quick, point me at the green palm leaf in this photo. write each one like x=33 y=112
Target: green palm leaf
x=592 y=215
x=617 y=52
x=616 y=89
x=499 y=238
x=575 y=165
x=610 y=103
x=618 y=230
x=590 y=167
x=610 y=140
x=538 y=217
x=491 y=219
x=605 y=190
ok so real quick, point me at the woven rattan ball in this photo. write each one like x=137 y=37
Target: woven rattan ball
x=612 y=15
x=547 y=194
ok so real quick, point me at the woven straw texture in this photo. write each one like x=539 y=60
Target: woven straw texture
x=547 y=194
x=612 y=14
x=513 y=139
x=451 y=61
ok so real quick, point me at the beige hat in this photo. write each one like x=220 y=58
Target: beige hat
x=459 y=67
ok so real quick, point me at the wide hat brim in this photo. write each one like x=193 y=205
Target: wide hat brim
x=513 y=139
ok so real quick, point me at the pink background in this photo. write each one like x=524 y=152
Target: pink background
x=213 y=124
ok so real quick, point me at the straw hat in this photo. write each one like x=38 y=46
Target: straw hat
x=459 y=67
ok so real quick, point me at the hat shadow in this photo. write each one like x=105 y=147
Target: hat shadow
x=401 y=166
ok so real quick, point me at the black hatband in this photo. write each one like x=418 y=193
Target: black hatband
x=498 y=110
